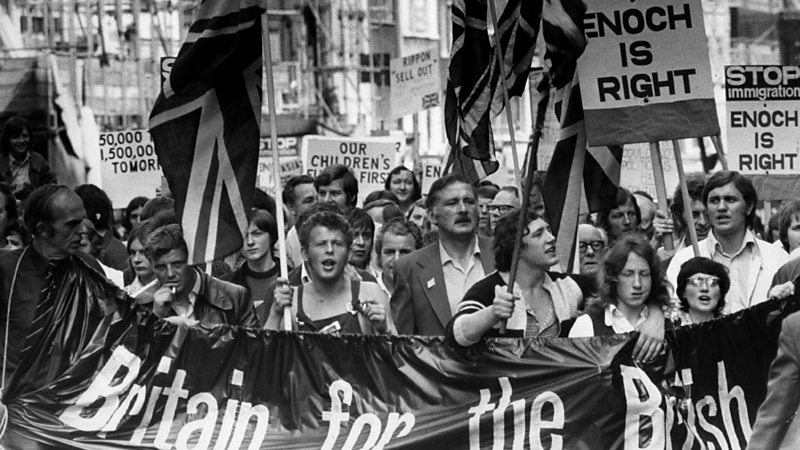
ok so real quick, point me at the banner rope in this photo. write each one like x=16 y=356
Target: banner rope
x=3 y=408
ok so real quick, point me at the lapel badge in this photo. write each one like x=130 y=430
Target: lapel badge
x=431 y=283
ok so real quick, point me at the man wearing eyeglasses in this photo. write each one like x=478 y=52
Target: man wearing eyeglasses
x=505 y=201
x=591 y=248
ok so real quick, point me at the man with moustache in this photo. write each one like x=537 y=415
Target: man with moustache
x=431 y=281
x=730 y=201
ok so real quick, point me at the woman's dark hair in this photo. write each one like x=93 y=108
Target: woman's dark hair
x=699 y=264
x=623 y=196
x=265 y=221
x=136 y=203
x=788 y=212
x=12 y=128
x=416 y=194
x=614 y=261
x=742 y=184
x=505 y=234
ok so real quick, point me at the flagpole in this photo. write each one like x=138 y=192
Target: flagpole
x=506 y=102
x=661 y=188
x=687 y=200
x=526 y=193
x=276 y=166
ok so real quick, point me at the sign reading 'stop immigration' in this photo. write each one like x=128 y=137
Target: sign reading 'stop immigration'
x=763 y=119
x=645 y=74
x=369 y=158
x=416 y=82
x=129 y=166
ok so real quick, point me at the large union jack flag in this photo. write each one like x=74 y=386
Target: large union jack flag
x=473 y=96
x=205 y=126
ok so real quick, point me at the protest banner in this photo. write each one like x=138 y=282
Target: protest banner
x=129 y=166
x=645 y=74
x=370 y=158
x=137 y=381
x=763 y=119
x=416 y=84
x=289 y=157
x=431 y=168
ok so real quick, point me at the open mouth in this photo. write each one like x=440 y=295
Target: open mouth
x=704 y=298
x=550 y=251
x=328 y=264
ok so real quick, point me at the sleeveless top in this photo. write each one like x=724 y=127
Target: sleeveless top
x=346 y=322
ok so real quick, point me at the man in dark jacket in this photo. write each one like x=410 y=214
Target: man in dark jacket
x=189 y=295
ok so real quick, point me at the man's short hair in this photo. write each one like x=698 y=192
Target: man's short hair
x=623 y=196
x=511 y=189
x=695 y=183
x=265 y=221
x=339 y=172
x=359 y=220
x=742 y=184
x=787 y=213
x=315 y=208
x=441 y=184
x=287 y=195
x=165 y=239
x=38 y=208
x=156 y=204
x=487 y=191
x=381 y=195
x=399 y=227
x=330 y=220
x=98 y=206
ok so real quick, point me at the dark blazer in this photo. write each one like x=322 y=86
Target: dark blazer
x=777 y=413
x=417 y=308
x=39 y=172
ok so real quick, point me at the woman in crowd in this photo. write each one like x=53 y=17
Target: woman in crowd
x=402 y=183
x=631 y=286
x=10 y=238
x=24 y=170
x=789 y=228
x=260 y=268
x=702 y=285
x=330 y=302
x=142 y=269
x=132 y=216
x=542 y=299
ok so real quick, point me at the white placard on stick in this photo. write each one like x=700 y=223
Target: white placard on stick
x=645 y=74
x=416 y=83
x=763 y=107
x=129 y=166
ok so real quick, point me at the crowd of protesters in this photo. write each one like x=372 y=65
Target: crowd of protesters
x=433 y=263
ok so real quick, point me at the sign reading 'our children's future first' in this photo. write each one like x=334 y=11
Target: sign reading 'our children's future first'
x=763 y=119
x=645 y=74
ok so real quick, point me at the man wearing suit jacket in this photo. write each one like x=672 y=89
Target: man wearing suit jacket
x=431 y=281
x=775 y=425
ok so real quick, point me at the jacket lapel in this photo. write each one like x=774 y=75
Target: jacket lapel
x=431 y=281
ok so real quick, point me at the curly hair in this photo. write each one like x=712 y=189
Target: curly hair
x=505 y=234
x=330 y=220
x=699 y=264
x=400 y=227
x=614 y=261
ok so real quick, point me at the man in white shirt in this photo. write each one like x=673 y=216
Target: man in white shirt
x=730 y=201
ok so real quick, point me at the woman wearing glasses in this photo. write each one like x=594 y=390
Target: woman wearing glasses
x=702 y=285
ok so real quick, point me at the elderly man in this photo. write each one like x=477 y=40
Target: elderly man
x=591 y=248
x=504 y=202
x=188 y=294
x=54 y=214
x=430 y=282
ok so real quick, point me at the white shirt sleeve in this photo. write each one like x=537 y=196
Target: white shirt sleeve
x=582 y=327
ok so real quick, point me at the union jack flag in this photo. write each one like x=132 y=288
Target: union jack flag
x=473 y=97
x=597 y=169
x=205 y=126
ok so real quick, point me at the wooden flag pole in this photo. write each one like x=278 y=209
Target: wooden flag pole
x=506 y=101
x=276 y=165
x=687 y=201
x=717 y=141
x=661 y=188
x=526 y=193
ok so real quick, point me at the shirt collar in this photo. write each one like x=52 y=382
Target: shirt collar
x=19 y=163
x=749 y=240
x=613 y=312
x=446 y=257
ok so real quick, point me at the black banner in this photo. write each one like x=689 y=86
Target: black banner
x=139 y=382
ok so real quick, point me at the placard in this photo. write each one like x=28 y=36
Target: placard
x=763 y=119
x=129 y=166
x=432 y=168
x=369 y=158
x=645 y=74
x=416 y=84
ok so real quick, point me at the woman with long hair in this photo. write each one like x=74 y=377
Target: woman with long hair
x=402 y=183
